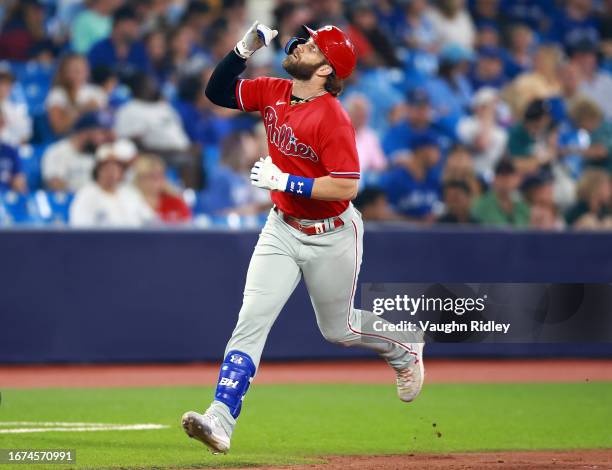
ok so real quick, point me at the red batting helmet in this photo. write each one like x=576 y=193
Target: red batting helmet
x=336 y=47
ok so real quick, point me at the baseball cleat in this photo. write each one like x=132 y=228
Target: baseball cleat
x=207 y=429
x=410 y=378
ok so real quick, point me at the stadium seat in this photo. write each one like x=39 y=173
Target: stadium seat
x=31 y=156
x=53 y=206
x=35 y=80
x=19 y=208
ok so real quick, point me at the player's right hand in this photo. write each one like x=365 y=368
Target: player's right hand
x=256 y=37
x=267 y=175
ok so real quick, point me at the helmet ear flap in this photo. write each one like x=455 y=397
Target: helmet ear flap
x=292 y=44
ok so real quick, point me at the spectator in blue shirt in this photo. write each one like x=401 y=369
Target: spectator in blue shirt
x=489 y=69
x=413 y=187
x=487 y=10
x=451 y=91
x=418 y=31
x=11 y=176
x=201 y=124
x=574 y=23
x=122 y=49
x=487 y=34
x=535 y=13
x=229 y=188
x=419 y=120
x=519 y=58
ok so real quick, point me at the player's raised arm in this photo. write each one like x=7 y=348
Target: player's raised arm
x=221 y=88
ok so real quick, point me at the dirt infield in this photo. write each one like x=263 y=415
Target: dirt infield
x=578 y=459
x=437 y=371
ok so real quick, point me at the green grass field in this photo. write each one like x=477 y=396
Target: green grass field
x=284 y=424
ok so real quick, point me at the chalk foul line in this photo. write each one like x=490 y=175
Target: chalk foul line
x=8 y=427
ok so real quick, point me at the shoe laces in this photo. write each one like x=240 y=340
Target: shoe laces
x=405 y=375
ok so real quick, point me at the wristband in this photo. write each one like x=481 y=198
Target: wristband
x=299 y=185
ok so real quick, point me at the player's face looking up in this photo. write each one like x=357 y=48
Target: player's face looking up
x=305 y=61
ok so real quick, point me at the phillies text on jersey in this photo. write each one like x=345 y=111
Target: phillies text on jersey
x=311 y=139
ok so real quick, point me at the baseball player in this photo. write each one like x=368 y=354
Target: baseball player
x=313 y=231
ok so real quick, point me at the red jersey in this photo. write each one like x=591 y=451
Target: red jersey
x=172 y=209
x=310 y=139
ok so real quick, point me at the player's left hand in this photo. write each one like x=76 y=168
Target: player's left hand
x=267 y=175
x=256 y=37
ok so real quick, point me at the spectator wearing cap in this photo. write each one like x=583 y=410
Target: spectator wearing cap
x=413 y=188
x=92 y=24
x=452 y=23
x=107 y=201
x=11 y=176
x=502 y=205
x=541 y=83
x=150 y=179
x=489 y=69
x=538 y=191
x=122 y=49
x=15 y=123
x=374 y=207
x=592 y=211
x=519 y=58
x=457 y=203
x=155 y=126
x=575 y=21
x=23 y=29
x=587 y=115
x=594 y=83
x=67 y=164
x=481 y=133
x=450 y=91
x=419 y=119
x=371 y=155
x=532 y=143
x=71 y=95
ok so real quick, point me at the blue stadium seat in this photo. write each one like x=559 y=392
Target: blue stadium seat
x=31 y=156
x=53 y=206
x=210 y=155
x=19 y=208
x=35 y=80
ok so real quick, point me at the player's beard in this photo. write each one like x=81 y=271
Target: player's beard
x=300 y=70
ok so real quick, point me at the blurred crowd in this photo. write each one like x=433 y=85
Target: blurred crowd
x=489 y=112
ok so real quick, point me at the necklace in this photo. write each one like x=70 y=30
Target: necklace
x=297 y=100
